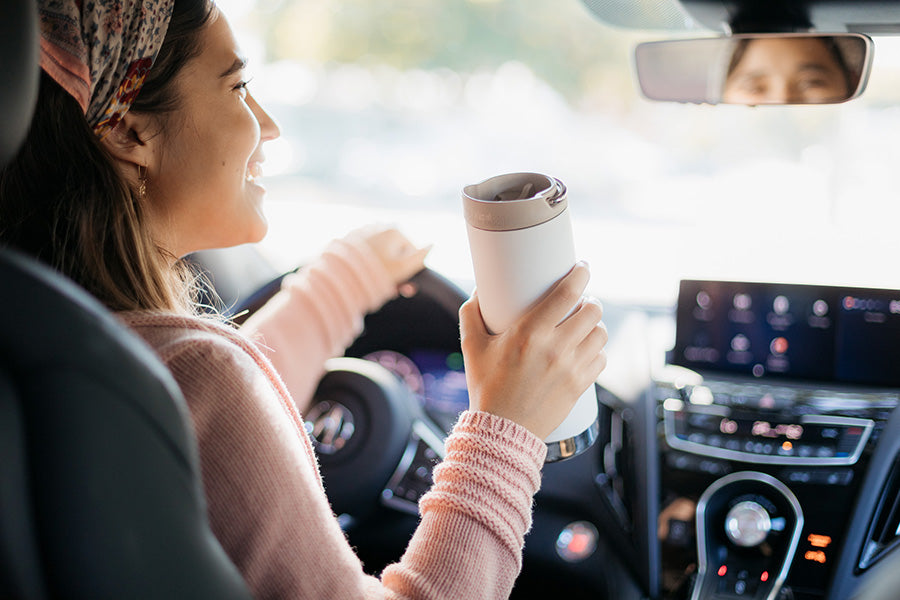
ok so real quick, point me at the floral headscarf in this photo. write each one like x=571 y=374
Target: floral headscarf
x=101 y=50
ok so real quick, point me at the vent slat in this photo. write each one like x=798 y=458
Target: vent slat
x=884 y=528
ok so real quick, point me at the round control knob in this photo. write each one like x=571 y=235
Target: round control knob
x=747 y=524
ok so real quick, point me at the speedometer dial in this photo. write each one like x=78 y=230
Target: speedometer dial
x=402 y=367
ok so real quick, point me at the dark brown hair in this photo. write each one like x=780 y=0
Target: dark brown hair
x=63 y=200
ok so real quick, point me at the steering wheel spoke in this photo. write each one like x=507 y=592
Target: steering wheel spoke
x=413 y=476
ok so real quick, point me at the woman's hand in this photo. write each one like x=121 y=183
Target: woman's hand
x=400 y=257
x=534 y=372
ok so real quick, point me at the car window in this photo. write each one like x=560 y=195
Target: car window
x=388 y=109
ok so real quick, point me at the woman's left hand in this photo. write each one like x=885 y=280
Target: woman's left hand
x=400 y=257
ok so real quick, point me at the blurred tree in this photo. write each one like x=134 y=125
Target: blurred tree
x=559 y=40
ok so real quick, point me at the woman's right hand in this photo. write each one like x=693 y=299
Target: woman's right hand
x=534 y=372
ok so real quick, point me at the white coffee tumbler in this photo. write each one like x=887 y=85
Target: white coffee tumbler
x=520 y=235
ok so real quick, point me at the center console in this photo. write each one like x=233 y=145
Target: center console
x=772 y=401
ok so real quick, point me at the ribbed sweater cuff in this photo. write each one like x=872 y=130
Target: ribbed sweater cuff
x=491 y=472
x=506 y=432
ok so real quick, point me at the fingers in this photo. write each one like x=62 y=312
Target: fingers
x=594 y=342
x=596 y=366
x=400 y=257
x=561 y=298
x=471 y=323
x=587 y=314
x=413 y=259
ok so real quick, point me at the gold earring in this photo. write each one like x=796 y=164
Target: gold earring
x=142 y=181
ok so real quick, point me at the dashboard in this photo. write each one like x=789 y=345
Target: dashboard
x=758 y=460
x=435 y=377
x=795 y=332
x=767 y=425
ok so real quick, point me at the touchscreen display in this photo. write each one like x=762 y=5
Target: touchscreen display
x=821 y=333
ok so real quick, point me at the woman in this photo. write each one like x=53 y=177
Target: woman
x=146 y=145
x=788 y=70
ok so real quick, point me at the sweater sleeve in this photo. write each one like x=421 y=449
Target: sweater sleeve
x=318 y=312
x=266 y=504
x=268 y=508
x=469 y=541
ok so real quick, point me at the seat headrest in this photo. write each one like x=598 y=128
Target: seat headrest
x=19 y=52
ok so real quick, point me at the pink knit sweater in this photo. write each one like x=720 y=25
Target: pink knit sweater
x=266 y=502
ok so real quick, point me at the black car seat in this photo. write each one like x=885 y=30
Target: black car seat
x=100 y=495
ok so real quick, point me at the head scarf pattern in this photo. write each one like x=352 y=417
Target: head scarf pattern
x=100 y=51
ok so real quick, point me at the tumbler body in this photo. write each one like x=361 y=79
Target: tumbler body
x=520 y=236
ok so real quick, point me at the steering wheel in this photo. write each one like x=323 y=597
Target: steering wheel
x=376 y=445
x=373 y=439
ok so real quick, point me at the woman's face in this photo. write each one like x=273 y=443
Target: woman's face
x=786 y=70
x=202 y=184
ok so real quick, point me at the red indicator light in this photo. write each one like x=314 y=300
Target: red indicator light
x=722 y=570
x=764 y=577
x=779 y=345
x=580 y=543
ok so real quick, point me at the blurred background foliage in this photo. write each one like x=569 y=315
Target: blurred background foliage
x=388 y=108
x=560 y=40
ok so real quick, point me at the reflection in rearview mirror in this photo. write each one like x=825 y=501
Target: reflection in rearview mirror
x=756 y=69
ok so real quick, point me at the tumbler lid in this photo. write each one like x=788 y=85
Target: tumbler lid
x=513 y=201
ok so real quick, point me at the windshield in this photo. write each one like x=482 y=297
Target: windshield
x=388 y=109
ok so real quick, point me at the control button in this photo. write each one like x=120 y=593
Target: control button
x=804 y=451
x=799 y=476
x=833 y=476
x=701 y=395
x=785 y=449
x=713 y=467
x=705 y=422
x=577 y=541
x=722 y=398
x=740 y=400
x=697 y=438
x=686 y=462
x=681 y=461
x=747 y=524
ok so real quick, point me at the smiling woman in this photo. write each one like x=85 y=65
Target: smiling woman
x=203 y=160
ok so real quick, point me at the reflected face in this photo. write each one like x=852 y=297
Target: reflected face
x=786 y=70
x=204 y=191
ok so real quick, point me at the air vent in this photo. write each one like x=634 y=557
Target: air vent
x=884 y=532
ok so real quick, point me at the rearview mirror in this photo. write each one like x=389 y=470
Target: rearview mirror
x=752 y=69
